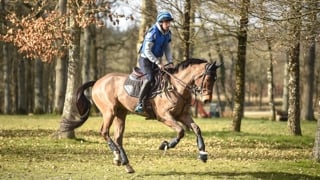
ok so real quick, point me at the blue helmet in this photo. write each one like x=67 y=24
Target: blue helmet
x=164 y=16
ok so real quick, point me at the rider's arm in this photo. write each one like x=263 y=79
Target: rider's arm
x=149 y=53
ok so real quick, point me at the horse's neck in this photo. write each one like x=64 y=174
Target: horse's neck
x=183 y=81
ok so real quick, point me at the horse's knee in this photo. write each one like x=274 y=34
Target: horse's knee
x=195 y=128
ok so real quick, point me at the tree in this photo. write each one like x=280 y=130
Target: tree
x=240 y=67
x=308 y=71
x=66 y=129
x=294 y=72
x=186 y=28
x=316 y=147
x=148 y=13
x=271 y=83
x=60 y=69
x=38 y=89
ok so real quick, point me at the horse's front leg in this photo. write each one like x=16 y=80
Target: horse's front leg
x=180 y=134
x=189 y=122
x=203 y=155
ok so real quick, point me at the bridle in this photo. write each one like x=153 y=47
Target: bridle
x=194 y=88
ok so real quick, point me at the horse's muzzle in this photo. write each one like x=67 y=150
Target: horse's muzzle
x=206 y=98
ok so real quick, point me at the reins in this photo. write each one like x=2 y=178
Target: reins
x=194 y=89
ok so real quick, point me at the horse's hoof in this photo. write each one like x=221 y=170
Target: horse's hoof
x=203 y=156
x=129 y=168
x=164 y=145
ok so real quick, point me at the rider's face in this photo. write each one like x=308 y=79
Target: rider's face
x=166 y=25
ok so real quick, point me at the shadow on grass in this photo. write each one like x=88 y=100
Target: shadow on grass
x=234 y=175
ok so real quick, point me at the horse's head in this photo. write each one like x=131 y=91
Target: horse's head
x=205 y=81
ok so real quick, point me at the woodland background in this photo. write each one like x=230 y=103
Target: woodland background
x=28 y=85
x=269 y=51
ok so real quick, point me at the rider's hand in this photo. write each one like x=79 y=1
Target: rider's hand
x=169 y=65
x=159 y=64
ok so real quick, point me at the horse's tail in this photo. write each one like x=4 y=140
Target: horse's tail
x=83 y=103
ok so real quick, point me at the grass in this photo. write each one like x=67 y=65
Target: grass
x=263 y=150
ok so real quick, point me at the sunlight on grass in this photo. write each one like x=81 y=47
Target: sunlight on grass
x=262 y=150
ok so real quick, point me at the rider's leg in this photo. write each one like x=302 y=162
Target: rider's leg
x=147 y=67
x=143 y=95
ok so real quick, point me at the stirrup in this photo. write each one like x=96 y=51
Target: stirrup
x=139 y=108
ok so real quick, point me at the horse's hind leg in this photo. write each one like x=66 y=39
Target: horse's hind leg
x=105 y=132
x=116 y=146
x=119 y=127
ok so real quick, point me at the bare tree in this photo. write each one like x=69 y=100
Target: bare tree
x=308 y=71
x=240 y=67
x=38 y=89
x=271 y=83
x=294 y=72
x=186 y=29
x=148 y=13
x=60 y=70
x=70 y=113
x=316 y=147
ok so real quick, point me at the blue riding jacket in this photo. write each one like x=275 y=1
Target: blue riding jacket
x=160 y=41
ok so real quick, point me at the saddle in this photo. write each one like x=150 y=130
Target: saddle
x=134 y=81
x=132 y=86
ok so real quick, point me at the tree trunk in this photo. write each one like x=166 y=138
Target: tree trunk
x=222 y=79
x=316 y=147
x=186 y=30
x=86 y=54
x=271 y=84
x=285 y=98
x=6 y=68
x=22 y=106
x=68 y=122
x=94 y=65
x=61 y=71
x=293 y=84
x=240 y=68
x=148 y=13
x=38 y=91
x=307 y=111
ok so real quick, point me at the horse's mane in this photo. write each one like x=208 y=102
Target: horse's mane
x=184 y=64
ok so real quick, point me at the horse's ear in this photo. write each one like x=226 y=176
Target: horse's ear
x=212 y=66
x=218 y=65
x=221 y=64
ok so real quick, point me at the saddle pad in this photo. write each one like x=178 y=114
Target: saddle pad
x=132 y=87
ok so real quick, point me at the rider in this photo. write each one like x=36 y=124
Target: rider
x=156 y=43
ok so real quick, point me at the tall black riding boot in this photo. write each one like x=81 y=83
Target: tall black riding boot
x=142 y=96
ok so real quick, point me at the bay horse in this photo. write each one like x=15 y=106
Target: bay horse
x=170 y=106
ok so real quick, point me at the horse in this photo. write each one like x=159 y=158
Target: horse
x=171 y=105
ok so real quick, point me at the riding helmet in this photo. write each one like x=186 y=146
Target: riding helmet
x=164 y=16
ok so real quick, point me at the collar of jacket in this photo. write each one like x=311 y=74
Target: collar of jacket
x=160 y=29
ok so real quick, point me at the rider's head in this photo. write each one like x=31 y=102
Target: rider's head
x=164 y=18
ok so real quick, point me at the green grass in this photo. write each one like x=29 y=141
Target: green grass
x=263 y=150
